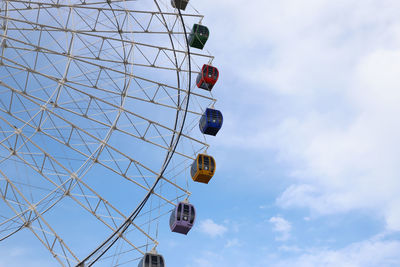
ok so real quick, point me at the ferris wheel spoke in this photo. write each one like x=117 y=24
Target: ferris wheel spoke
x=123 y=173
x=158 y=127
x=100 y=214
x=13 y=201
x=93 y=209
x=37 y=161
x=99 y=66
x=132 y=95
x=140 y=82
x=36 y=158
x=77 y=131
x=47 y=236
x=94 y=6
x=102 y=209
x=158 y=62
x=38 y=166
x=96 y=34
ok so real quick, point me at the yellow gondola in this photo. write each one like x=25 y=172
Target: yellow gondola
x=203 y=168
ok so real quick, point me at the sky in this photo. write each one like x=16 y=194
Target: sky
x=307 y=160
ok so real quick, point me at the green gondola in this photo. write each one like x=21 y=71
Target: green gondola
x=199 y=36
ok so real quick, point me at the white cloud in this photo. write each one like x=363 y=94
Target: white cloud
x=201 y=262
x=211 y=228
x=281 y=226
x=330 y=70
x=355 y=165
x=368 y=253
x=233 y=243
x=292 y=249
x=376 y=251
x=222 y=258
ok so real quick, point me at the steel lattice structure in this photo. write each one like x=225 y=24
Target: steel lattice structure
x=95 y=118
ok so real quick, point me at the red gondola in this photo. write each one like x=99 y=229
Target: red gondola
x=207 y=77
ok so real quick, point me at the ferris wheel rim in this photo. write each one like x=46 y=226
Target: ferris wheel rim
x=174 y=133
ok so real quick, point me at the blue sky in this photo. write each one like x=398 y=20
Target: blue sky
x=307 y=160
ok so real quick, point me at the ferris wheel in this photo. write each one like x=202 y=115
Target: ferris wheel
x=104 y=108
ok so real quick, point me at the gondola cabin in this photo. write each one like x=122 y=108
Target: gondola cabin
x=179 y=4
x=199 y=36
x=182 y=218
x=203 y=168
x=151 y=260
x=207 y=78
x=211 y=121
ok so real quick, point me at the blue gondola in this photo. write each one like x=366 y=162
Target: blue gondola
x=211 y=121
